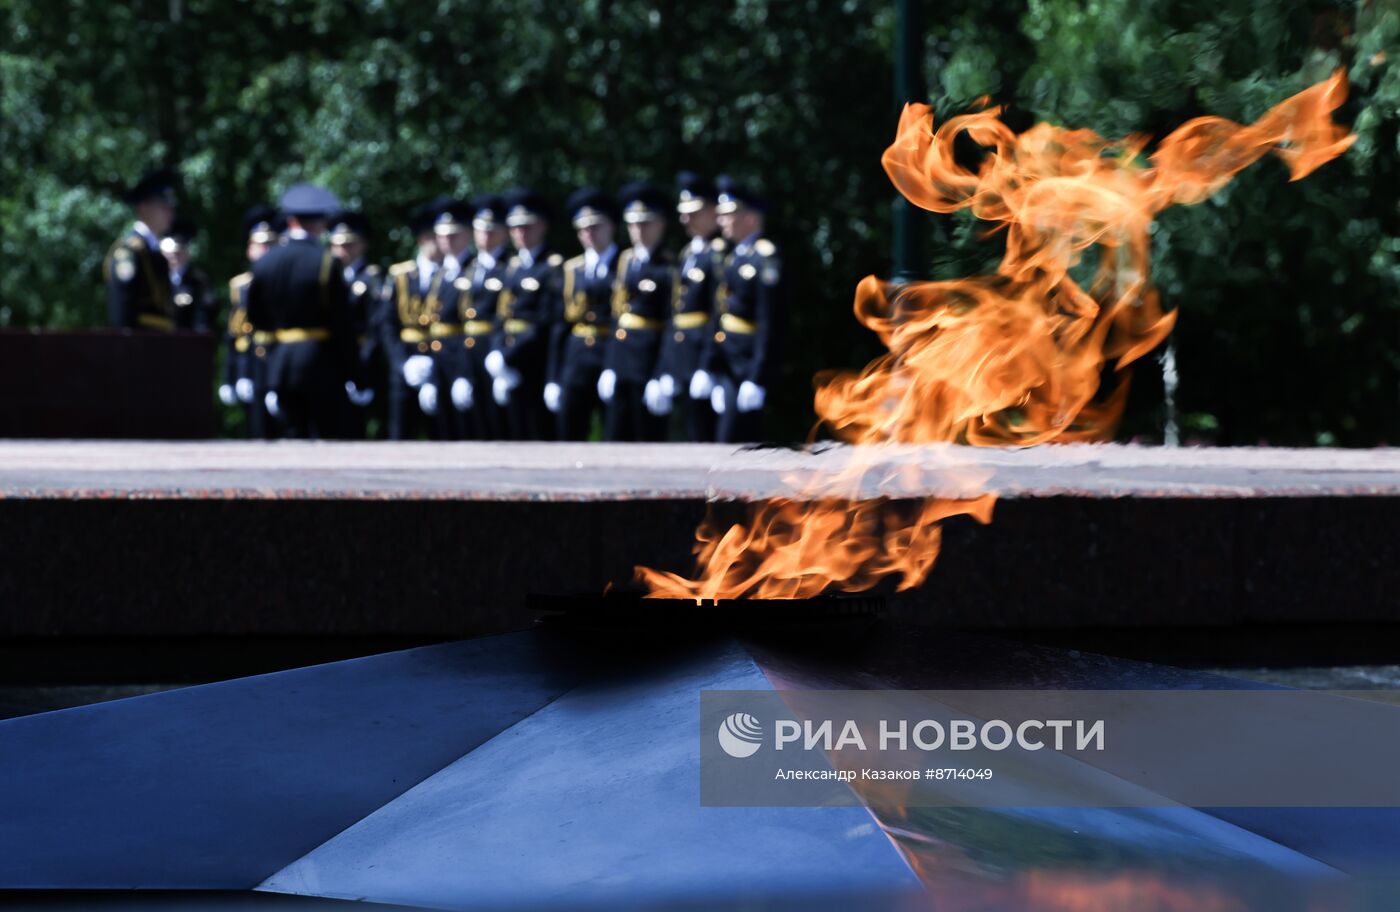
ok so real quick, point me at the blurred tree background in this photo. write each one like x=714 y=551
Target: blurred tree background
x=1289 y=293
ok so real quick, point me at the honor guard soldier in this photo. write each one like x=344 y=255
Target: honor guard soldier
x=298 y=293
x=692 y=322
x=476 y=291
x=643 y=298
x=349 y=239
x=194 y=305
x=246 y=352
x=749 y=308
x=136 y=273
x=580 y=340
x=530 y=305
x=405 y=312
x=452 y=229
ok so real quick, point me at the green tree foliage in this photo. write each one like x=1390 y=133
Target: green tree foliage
x=1288 y=292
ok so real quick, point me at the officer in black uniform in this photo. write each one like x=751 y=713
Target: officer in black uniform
x=452 y=228
x=298 y=293
x=475 y=293
x=692 y=322
x=530 y=305
x=750 y=303
x=349 y=239
x=580 y=340
x=246 y=352
x=136 y=273
x=405 y=310
x=643 y=298
x=194 y=305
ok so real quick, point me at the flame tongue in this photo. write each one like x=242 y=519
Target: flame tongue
x=1015 y=358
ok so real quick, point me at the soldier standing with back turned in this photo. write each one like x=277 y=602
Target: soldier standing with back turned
x=298 y=293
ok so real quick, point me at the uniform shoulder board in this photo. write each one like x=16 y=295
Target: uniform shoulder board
x=134 y=242
x=406 y=266
x=574 y=262
x=764 y=247
x=238 y=281
x=555 y=260
x=719 y=244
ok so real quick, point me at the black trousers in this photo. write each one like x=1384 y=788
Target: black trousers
x=484 y=420
x=735 y=426
x=406 y=419
x=261 y=424
x=526 y=416
x=694 y=418
x=578 y=377
x=627 y=418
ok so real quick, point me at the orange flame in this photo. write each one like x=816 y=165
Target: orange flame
x=1015 y=358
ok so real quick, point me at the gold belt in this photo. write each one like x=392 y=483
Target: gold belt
x=637 y=321
x=154 y=321
x=590 y=330
x=517 y=326
x=438 y=330
x=692 y=320
x=478 y=327
x=297 y=334
x=738 y=325
x=240 y=344
x=264 y=338
x=412 y=335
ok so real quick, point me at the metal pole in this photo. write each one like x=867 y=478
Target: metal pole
x=908 y=86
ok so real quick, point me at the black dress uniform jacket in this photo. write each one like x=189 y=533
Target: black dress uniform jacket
x=298 y=293
x=749 y=308
x=405 y=314
x=643 y=300
x=473 y=297
x=692 y=326
x=581 y=339
x=529 y=307
x=138 y=286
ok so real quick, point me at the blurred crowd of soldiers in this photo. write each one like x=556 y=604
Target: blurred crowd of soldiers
x=487 y=333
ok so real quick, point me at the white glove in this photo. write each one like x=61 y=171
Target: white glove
x=607 y=385
x=750 y=397
x=553 y=392
x=360 y=397
x=495 y=363
x=668 y=385
x=657 y=400
x=226 y=394
x=427 y=399
x=243 y=389
x=270 y=400
x=702 y=385
x=717 y=400
x=417 y=369
x=462 y=394
x=500 y=391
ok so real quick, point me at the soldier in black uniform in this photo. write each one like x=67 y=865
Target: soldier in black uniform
x=580 y=340
x=474 y=295
x=692 y=322
x=194 y=305
x=408 y=300
x=349 y=238
x=298 y=294
x=452 y=228
x=739 y=360
x=136 y=273
x=643 y=298
x=246 y=352
x=531 y=303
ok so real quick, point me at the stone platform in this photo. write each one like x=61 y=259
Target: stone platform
x=420 y=539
